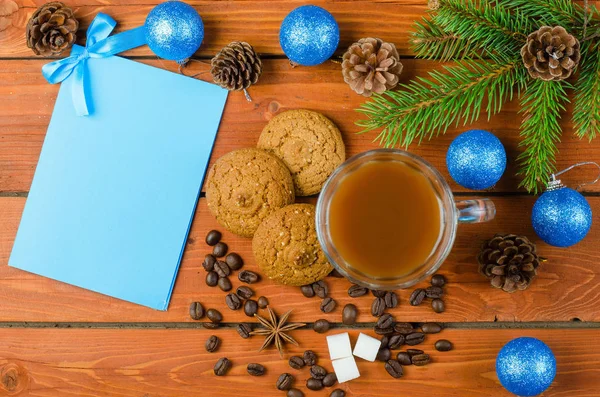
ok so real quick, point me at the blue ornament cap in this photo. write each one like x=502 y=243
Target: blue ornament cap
x=561 y=217
x=174 y=30
x=309 y=35
x=526 y=366
x=476 y=159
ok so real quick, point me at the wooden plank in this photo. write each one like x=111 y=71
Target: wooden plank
x=256 y=22
x=121 y=363
x=27 y=104
x=568 y=285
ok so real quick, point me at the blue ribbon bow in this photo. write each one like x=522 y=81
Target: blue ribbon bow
x=98 y=45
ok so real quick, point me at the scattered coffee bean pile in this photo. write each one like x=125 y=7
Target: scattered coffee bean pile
x=435 y=293
x=383 y=299
x=321 y=290
x=319 y=377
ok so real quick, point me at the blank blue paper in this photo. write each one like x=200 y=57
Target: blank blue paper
x=114 y=193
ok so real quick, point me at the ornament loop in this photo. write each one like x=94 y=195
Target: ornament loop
x=556 y=183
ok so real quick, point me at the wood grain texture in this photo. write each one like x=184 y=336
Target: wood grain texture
x=152 y=363
x=568 y=285
x=28 y=100
x=256 y=22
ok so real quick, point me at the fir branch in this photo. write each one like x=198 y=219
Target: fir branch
x=430 y=41
x=427 y=107
x=549 y=12
x=586 y=112
x=494 y=29
x=542 y=103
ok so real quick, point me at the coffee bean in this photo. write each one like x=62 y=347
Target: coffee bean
x=209 y=262
x=384 y=341
x=225 y=284
x=248 y=277
x=222 y=269
x=438 y=280
x=443 y=345
x=356 y=290
x=220 y=249
x=256 y=369
x=396 y=341
x=212 y=279
x=321 y=326
x=420 y=359
x=309 y=357
x=321 y=289
x=386 y=321
x=294 y=393
x=338 y=393
x=330 y=379
x=222 y=366
x=394 y=368
x=263 y=302
x=318 y=372
x=244 y=330
x=234 y=261
x=233 y=301
x=378 y=293
x=438 y=305
x=314 y=384
x=404 y=358
x=213 y=237
x=296 y=362
x=349 y=314
x=431 y=328
x=415 y=338
x=434 y=292
x=383 y=331
x=383 y=354
x=328 y=305
x=414 y=352
x=417 y=297
x=212 y=344
x=244 y=292
x=403 y=328
x=284 y=382
x=391 y=300
x=210 y=325
x=307 y=291
x=378 y=307
x=250 y=307
x=214 y=315
x=196 y=311
x=336 y=274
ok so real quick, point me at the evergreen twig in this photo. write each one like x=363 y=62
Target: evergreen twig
x=430 y=41
x=586 y=111
x=542 y=103
x=549 y=12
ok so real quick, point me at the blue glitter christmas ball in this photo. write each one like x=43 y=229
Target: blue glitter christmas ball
x=174 y=30
x=526 y=366
x=476 y=159
x=309 y=35
x=561 y=217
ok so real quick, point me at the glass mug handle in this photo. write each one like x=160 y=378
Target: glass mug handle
x=475 y=211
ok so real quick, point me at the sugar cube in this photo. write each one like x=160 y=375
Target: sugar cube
x=339 y=346
x=366 y=347
x=345 y=369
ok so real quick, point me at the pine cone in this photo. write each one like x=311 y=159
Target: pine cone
x=236 y=66
x=510 y=261
x=51 y=29
x=371 y=65
x=551 y=53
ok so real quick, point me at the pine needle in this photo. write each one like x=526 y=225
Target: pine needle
x=430 y=41
x=542 y=103
x=586 y=112
x=548 y=12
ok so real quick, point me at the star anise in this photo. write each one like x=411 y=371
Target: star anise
x=275 y=330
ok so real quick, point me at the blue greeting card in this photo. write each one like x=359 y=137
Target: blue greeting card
x=114 y=192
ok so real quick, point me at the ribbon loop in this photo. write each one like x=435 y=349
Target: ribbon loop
x=99 y=44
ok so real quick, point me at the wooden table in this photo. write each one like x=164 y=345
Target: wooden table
x=56 y=339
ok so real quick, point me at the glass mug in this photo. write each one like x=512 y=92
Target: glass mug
x=452 y=213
